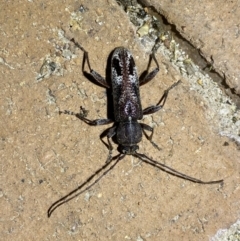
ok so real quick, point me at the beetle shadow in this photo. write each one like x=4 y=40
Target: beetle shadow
x=87 y=75
x=110 y=107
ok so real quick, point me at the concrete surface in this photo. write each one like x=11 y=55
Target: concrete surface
x=213 y=28
x=45 y=156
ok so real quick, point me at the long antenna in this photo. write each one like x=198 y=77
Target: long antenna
x=170 y=170
x=69 y=196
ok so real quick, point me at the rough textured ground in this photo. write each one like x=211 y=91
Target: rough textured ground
x=44 y=156
x=213 y=28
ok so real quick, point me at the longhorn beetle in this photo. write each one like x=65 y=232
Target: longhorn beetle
x=127 y=111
